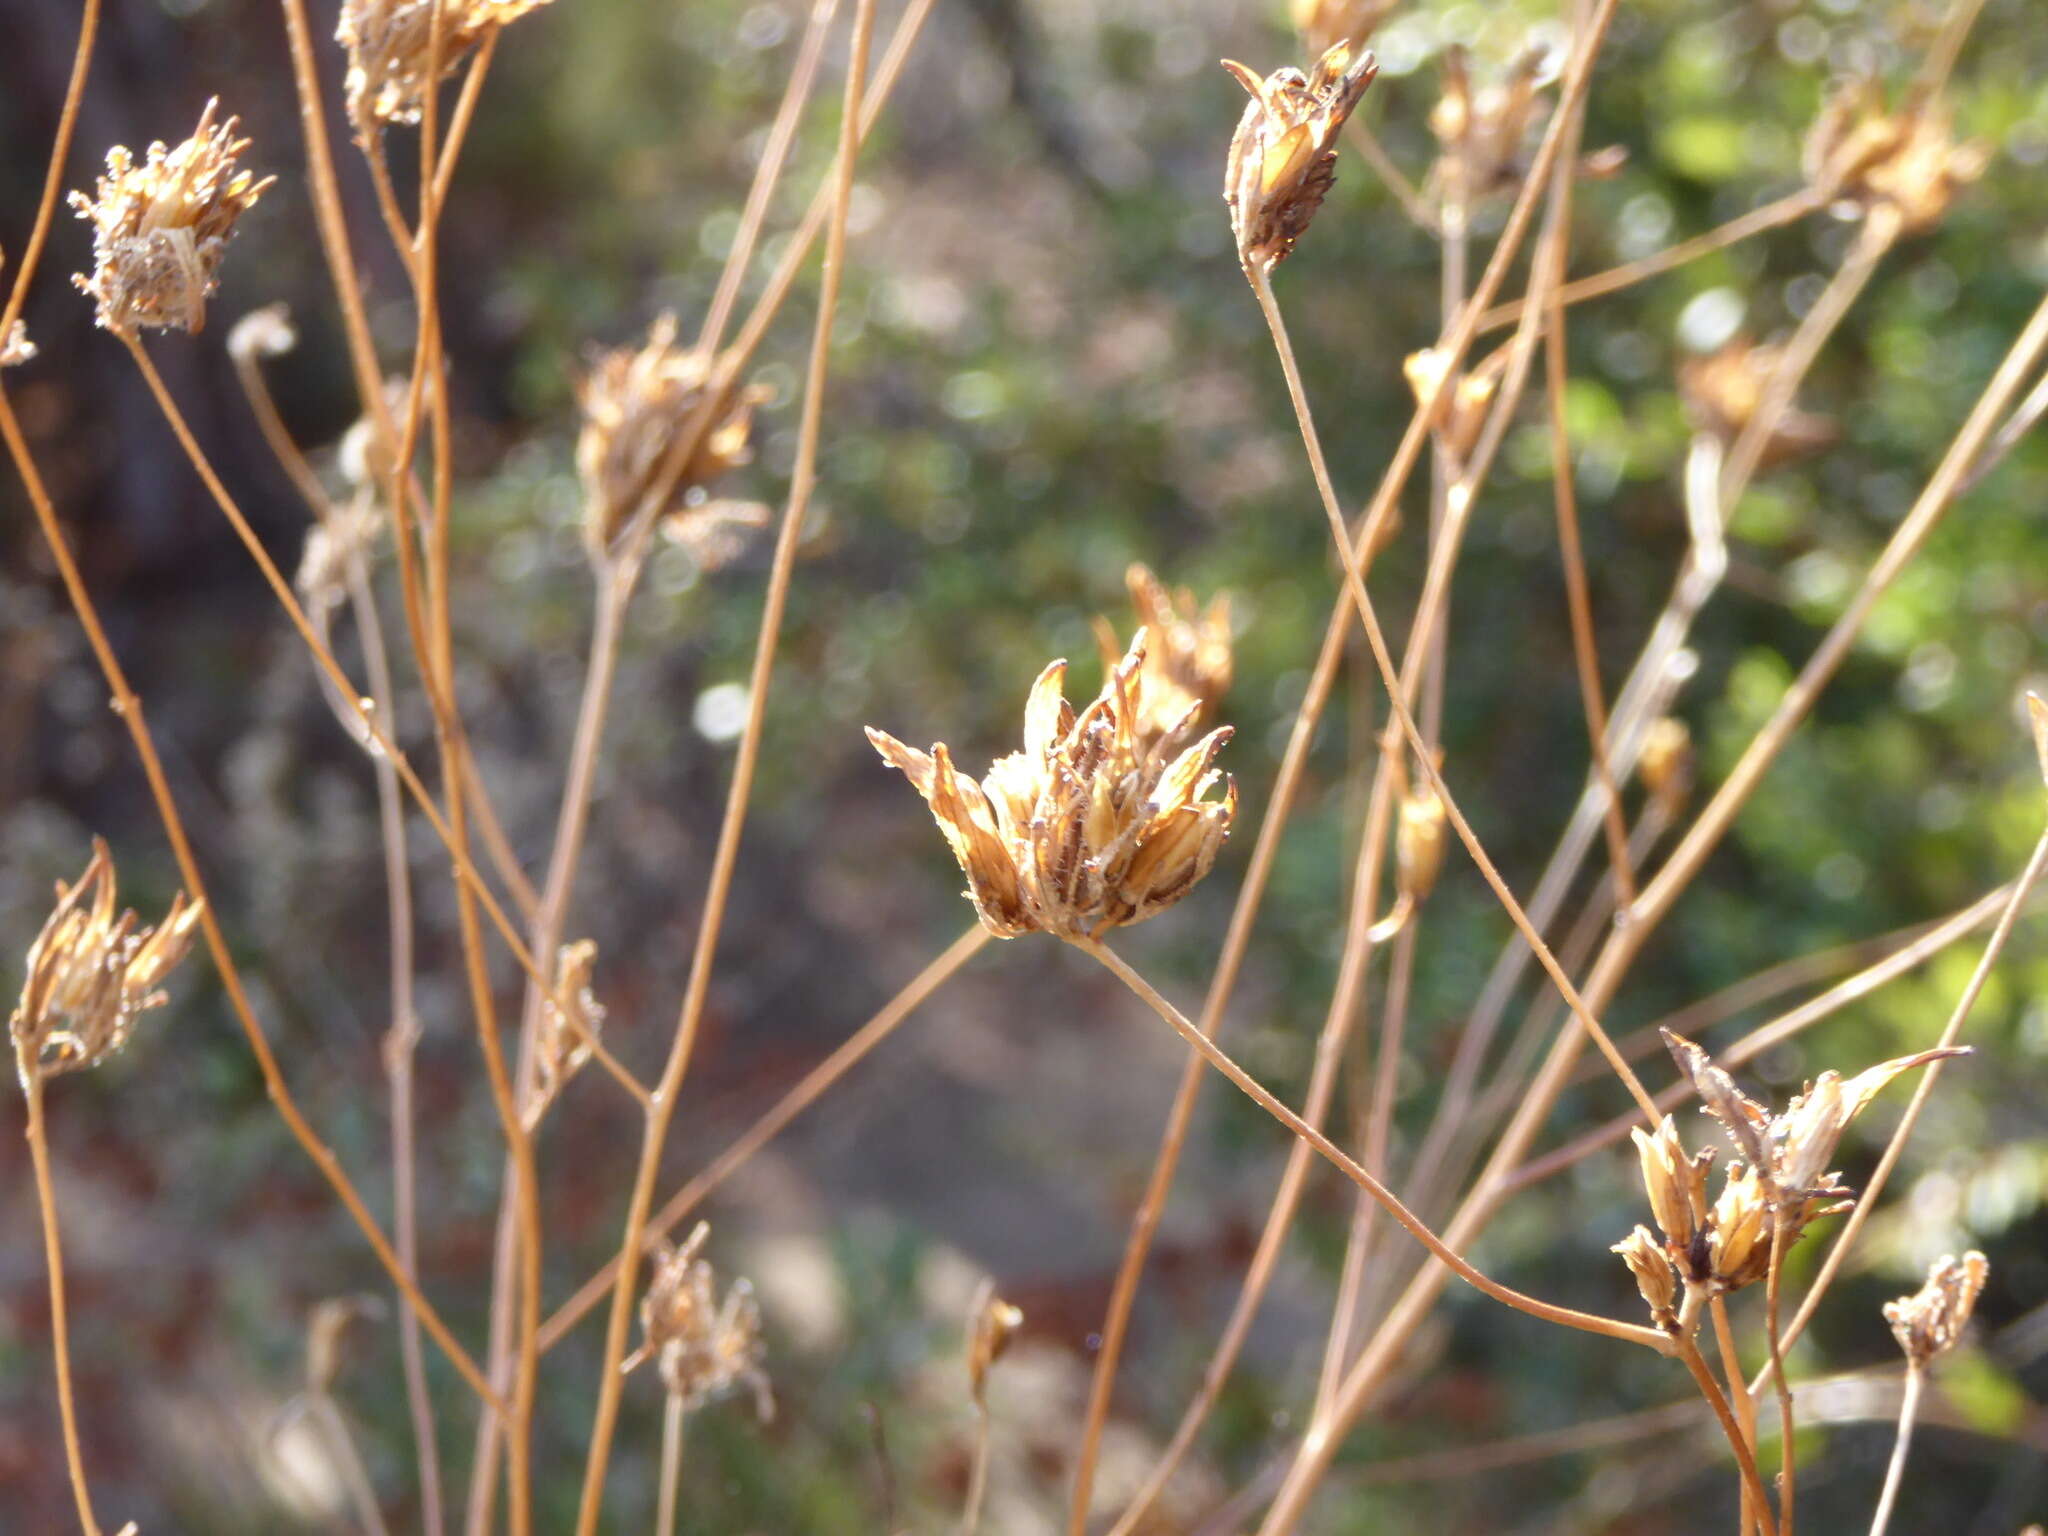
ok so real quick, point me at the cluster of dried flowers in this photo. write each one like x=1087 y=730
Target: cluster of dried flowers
x=636 y=400
x=391 y=50
x=1099 y=822
x=703 y=1349
x=1283 y=157
x=1859 y=157
x=1782 y=1179
x=91 y=975
x=160 y=228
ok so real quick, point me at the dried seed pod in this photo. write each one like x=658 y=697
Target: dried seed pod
x=1739 y=1232
x=389 y=45
x=703 y=1350
x=635 y=400
x=570 y=1022
x=1418 y=844
x=1283 y=157
x=1861 y=158
x=92 y=975
x=1929 y=1322
x=160 y=228
x=1666 y=765
x=1090 y=827
x=1655 y=1277
x=1482 y=133
x=992 y=1324
x=1676 y=1184
x=1723 y=389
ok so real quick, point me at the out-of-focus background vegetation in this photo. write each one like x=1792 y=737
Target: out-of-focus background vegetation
x=1047 y=367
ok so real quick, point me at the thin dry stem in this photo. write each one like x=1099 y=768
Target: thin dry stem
x=1902 y=1443
x=53 y=175
x=60 y=1330
x=1745 y=1458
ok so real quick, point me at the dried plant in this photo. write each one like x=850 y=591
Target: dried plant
x=703 y=1349
x=391 y=50
x=1482 y=133
x=1859 y=157
x=1724 y=390
x=1283 y=158
x=1930 y=1321
x=161 y=228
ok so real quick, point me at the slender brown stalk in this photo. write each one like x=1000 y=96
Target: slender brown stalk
x=1331 y=1153
x=808 y=1090
x=1774 y=1336
x=60 y=1329
x=1745 y=1458
x=1902 y=1443
x=128 y=706
x=671 y=1465
x=1772 y=215
x=977 y=1474
x=53 y=174
x=1374 y=154
x=803 y=478
x=1741 y=1401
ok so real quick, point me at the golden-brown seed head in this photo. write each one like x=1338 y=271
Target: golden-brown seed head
x=91 y=975
x=1929 y=1322
x=160 y=228
x=1739 y=1232
x=1091 y=826
x=993 y=1324
x=1861 y=158
x=390 y=43
x=1283 y=156
x=1675 y=1183
x=1655 y=1277
x=635 y=401
x=703 y=1349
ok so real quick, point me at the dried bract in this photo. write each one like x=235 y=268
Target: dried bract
x=1089 y=827
x=1723 y=389
x=1283 y=158
x=1929 y=1322
x=1655 y=1277
x=1325 y=24
x=990 y=1329
x=15 y=347
x=1187 y=666
x=703 y=1349
x=570 y=1022
x=1482 y=133
x=160 y=228
x=390 y=43
x=91 y=975
x=635 y=400
x=1860 y=158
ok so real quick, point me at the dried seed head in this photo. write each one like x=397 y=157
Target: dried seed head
x=334 y=546
x=1283 y=158
x=15 y=347
x=1187 y=664
x=389 y=43
x=635 y=400
x=1325 y=24
x=1861 y=158
x=990 y=1328
x=570 y=1023
x=1723 y=389
x=160 y=228
x=265 y=332
x=1419 y=843
x=1929 y=1322
x=1482 y=133
x=703 y=1350
x=364 y=464
x=1089 y=827
x=1471 y=393
x=1739 y=1232
x=1676 y=1185
x=91 y=975
x=1655 y=1277
x=1666 y=766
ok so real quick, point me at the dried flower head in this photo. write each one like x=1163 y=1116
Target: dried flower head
x=635 y=400
x=1419 y=843
x=160 y=228
x=1283 y=158
x=390 y=42
x=1723 y=389
x=1791 y=1151
x=15 y=347
x=1655 y=1277
x=991 y=1326
x=1676 y=1184
x=1187 y=655
x=1860 y=158
x=91 y=975
x=1739 y=1232
x=1929 y=1322
x=1666 y=765
x=703 y=1350
x=1324 y=24
x=335 y=546
x=265 y=332
x=1482 y=133
x=1471 y=393
x=1089 y=827
x=570 y=1023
